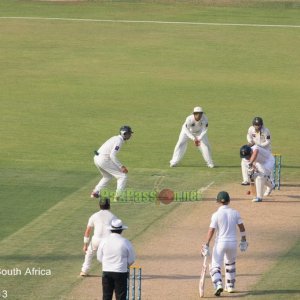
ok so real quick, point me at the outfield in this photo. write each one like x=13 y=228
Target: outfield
x=70 y=78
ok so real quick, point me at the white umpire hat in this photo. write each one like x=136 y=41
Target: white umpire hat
x=117 y=224
x=197 y=109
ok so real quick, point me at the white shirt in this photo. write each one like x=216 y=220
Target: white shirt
x=100 y=221
x=111 y=147
x=194 y=128
x=262 y=138
x=263 y=155
x=115 y=253
x=224 y=221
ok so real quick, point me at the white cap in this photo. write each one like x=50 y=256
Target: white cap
x=116 y=224
x=198 y=109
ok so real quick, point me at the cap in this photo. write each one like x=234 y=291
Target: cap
x=223 y=197
x=198 y=109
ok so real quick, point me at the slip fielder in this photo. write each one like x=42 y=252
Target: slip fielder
x=195 y=128
x=109 y=166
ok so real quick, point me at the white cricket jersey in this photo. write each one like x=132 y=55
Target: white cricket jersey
x=115 y=253
x=111 y=147
x=194 y=128
x=224 y=221
x=262 y=138
x=101 y=221
x=264 y=156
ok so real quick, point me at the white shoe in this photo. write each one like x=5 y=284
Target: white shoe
x=211 y=166
x=172 y=165
x=83 y=274
x=219 y=289
x=229 y=289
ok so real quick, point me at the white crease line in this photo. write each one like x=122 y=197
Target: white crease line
x=203 y=189
x=157 y=22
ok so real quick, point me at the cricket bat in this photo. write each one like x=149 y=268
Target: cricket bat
x=252 y=187
x=202 y=278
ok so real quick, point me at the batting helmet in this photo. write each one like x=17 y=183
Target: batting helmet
x=245 y=151
x=258 y=121
x=125 y=130
x=223 y=197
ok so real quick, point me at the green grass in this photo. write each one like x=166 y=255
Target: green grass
x=66 y=86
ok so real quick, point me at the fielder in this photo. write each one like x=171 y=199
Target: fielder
x=260 y=163
x=224 y=222
x=195 y=128
x=99 y=221
x=108 y=164
x=257 y=135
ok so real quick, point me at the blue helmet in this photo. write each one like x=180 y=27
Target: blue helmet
x=125 y=130
x=245 y=151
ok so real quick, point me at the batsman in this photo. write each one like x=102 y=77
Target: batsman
x=224 y=222
x=260 y=166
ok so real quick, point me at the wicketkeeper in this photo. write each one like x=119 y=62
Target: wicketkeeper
x=257 y=135
x=224 y=222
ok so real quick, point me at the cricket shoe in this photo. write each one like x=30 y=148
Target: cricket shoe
x=172 y=165
x=229 y=289
x=257 y=199
x=245 y=183
x=83 y=274
x=95 y=195
x=219 y=289
x=211 y=166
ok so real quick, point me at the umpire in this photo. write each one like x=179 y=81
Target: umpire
x=116 y=255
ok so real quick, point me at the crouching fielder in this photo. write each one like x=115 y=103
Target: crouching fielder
x=260 y=166
x=195 y=128
x=224 y=222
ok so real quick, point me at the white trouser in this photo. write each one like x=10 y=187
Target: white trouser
x=223 y=252
x=244 y=165
x=264 y=177
x=181 y=147
x=91 y=251
x=109 y=170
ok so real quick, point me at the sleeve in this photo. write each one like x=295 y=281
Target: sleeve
x=268 y=138
x=186 y=127
x=91 y=221
x=204 y=127
x=131 y=254
x=249 y=136
x=113 y=155
x=214 y=221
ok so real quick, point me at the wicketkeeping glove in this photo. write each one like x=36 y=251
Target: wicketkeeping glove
x=197 y=143
x=205 y=250
x=243 y=246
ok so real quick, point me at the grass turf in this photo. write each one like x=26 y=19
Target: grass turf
x=68 y=86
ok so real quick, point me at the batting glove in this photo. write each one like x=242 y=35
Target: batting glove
x=205 y=250
x=243 y=246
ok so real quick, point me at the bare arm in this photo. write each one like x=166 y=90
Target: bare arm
x=87 y=236
x=210 y=235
